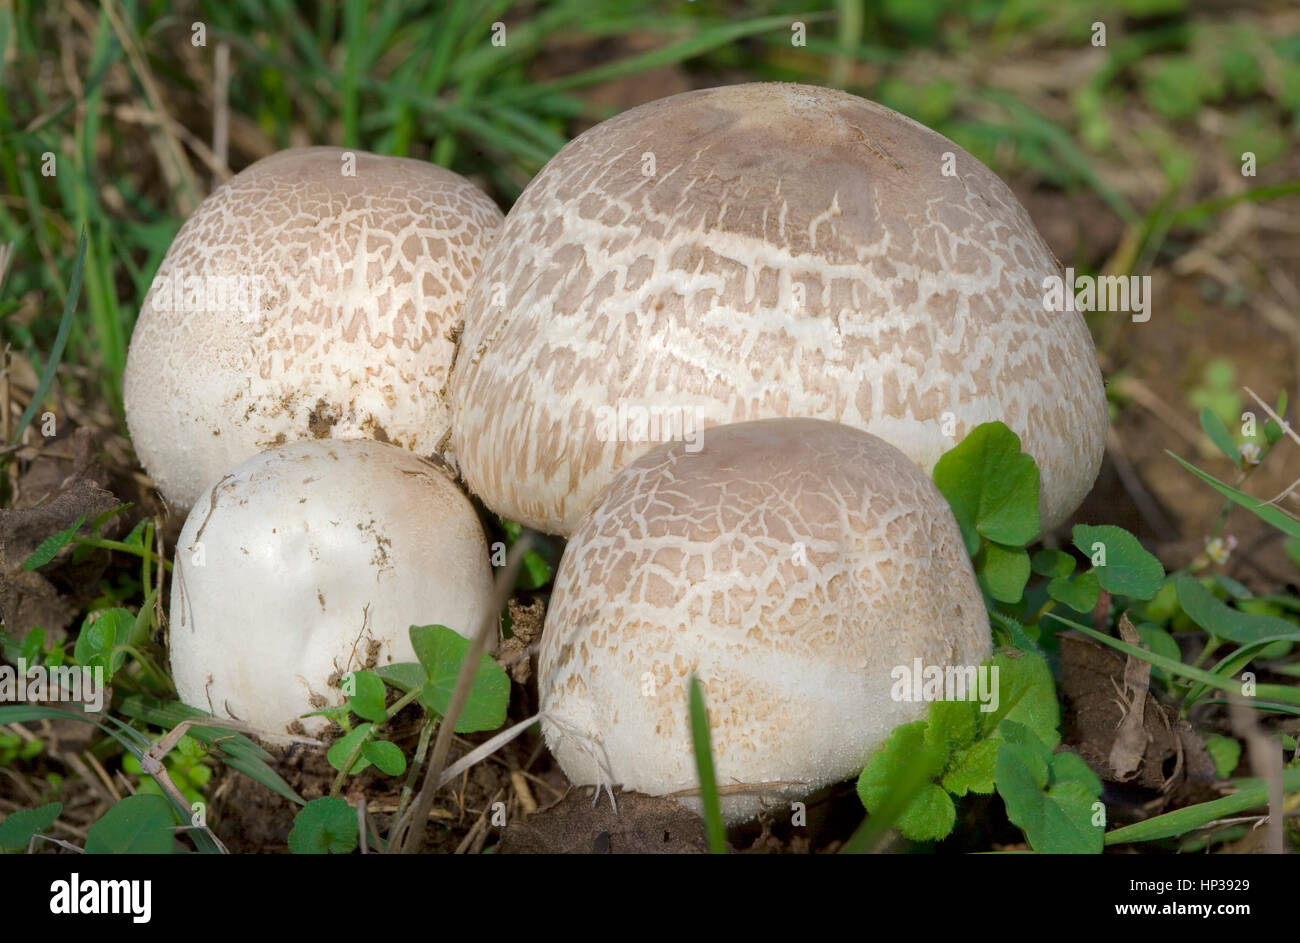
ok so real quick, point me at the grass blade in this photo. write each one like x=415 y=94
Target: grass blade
x=1182 y=821
x=704 y=765
x=1275 y=692
x=60 y=341
x=1261 y=509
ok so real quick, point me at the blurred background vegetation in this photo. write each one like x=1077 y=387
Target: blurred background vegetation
x=116 y=119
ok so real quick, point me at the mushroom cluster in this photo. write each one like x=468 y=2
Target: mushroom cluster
x=719 y=343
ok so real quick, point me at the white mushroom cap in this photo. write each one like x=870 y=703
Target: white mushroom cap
x=791 y=564
x=759 y=251
x=352 y=286
x=315 y=559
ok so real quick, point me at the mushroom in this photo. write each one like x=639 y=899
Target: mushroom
x=792 y=565
x=759 y=251
x=312 y=560
x=313 y=295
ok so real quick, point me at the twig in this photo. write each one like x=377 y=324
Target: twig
x=410 y=840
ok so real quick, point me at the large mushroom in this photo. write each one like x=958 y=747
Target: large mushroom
x=761 y=251
x=312 y=560
x=793 y=565
x=315 y=294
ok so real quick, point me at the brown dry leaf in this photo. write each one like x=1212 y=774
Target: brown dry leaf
x=1091 y=676
x=1131 y=738
x=67 y=487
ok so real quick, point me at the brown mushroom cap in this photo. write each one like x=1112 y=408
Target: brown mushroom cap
x=792 y=565
x=795 y=251
x=354 y=285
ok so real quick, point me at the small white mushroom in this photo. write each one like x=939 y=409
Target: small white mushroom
x=758 y=251
x=312 y=560
x=792 y=565
x=314 y=294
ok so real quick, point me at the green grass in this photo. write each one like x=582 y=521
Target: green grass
x=425 y=79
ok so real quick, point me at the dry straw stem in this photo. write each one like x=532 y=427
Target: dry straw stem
x=1291 y=433
x=1266 y=761
x=408 y=840
x=177 y=169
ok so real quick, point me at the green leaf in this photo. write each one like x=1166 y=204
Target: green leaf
x=1292 y=548
x=1052 y=803
x=992 y=487
x=17 y=829
x=1129 y=569
x=98 y=641
x=1003 y=571
x=952 y=725
x=1226 y=753
x=32 y=645
x=342 y=748
x=50 y=546
x=1052 y=563
x=1261 y=509
x=905 y=756
x=1029 y=750
x=406 y=676
x=1218 y=618
x=1219 y=435
x=1080 y=594
x=324 y=826
x=441 y=652
x=1026 y=695
x=1070 y=768
x=138 y=825
x=369 y=701
x=972 y=770
x=930 y=815
x=386 y=756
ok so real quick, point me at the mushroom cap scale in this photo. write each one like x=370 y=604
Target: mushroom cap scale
x=312 y=560
x=299 y=301
x=758 y=251
x=792 y=565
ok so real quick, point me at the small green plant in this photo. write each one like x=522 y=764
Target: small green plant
x=915 y=778
x=320 y=826
x=963 y=749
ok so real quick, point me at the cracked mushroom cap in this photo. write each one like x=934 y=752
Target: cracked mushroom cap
x=300 y=301
x=311 y=560
x=791 y=564
x=759 y=251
